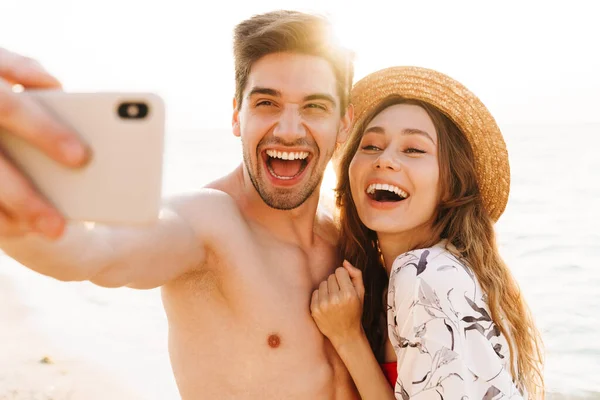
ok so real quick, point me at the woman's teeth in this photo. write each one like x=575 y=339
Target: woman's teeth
x=390 y=188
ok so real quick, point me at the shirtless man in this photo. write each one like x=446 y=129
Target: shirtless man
x=238 y=260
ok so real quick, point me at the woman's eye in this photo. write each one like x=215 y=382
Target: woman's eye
x=412 y=150
x=370 y=147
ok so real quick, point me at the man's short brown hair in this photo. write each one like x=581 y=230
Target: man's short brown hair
x=290 y=31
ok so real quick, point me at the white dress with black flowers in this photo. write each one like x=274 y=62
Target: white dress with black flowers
x=440 y=326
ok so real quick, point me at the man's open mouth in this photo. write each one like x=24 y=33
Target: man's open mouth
x=385 y=193
x=286 y=164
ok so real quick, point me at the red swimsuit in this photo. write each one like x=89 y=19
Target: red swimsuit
x=391 y=372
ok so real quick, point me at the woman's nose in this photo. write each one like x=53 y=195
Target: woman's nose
x=387 y=161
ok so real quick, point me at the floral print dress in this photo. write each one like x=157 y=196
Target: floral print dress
x=440 y=326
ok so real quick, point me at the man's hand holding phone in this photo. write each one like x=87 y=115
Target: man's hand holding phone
x=22 y=208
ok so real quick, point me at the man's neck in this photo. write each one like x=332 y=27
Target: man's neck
x=294 y=226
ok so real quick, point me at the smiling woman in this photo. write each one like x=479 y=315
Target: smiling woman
x=423 y=178
x=402 y=137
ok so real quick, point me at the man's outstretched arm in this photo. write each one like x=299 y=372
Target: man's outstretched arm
x=34 y=233
x=117 y=256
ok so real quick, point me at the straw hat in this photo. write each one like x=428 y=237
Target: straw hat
x=461 y=106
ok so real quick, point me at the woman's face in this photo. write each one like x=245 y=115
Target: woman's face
x=394 y=175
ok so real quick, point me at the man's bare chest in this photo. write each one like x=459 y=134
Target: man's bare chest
x=272 y=286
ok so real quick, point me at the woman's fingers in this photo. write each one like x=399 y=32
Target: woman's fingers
x=332 y=286
x=357 y=279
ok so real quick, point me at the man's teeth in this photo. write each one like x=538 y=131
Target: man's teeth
x=390 y=188
x=284 y=155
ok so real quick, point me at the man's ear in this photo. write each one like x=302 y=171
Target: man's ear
x=346 y=124
x=235 y=120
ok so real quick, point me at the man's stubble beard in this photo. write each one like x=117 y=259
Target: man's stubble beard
x=280 y=199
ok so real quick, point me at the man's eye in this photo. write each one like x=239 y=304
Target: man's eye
x=264 y=103
x=316 y=106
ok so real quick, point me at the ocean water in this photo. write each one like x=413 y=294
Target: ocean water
x=551 y=239
x=549 y=236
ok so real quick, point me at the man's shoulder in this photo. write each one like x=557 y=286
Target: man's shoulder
x=327 y=229
x=201 y=200
x=207 y=211
x=326 y=224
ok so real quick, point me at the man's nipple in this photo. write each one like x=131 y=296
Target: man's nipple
x=274 y=341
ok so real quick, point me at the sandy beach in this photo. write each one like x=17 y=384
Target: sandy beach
x=76 y=341
x=31 y=367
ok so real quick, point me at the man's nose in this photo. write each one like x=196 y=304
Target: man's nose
x=290 y=127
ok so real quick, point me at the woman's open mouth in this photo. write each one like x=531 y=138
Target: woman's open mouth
x=385 y=193
x=286 y=165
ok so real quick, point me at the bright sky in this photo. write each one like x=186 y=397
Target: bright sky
x=529 y=61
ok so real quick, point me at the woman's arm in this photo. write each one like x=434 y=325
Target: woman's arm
x=364 y=369
x=337 y=310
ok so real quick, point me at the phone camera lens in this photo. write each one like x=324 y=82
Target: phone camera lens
x=133 y=110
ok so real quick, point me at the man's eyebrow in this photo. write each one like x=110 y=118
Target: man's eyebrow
x=276 y=93
x=264 y=90
x=408 y=131
x=320 y=96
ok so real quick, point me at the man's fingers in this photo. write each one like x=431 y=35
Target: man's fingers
x=10 y=227
x=23 y=117
x=23 y=206
x=25 y=71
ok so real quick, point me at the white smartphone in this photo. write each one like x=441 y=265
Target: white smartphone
x=122 y=184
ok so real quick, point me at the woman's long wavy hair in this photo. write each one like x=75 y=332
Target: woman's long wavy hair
x=462 y=220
